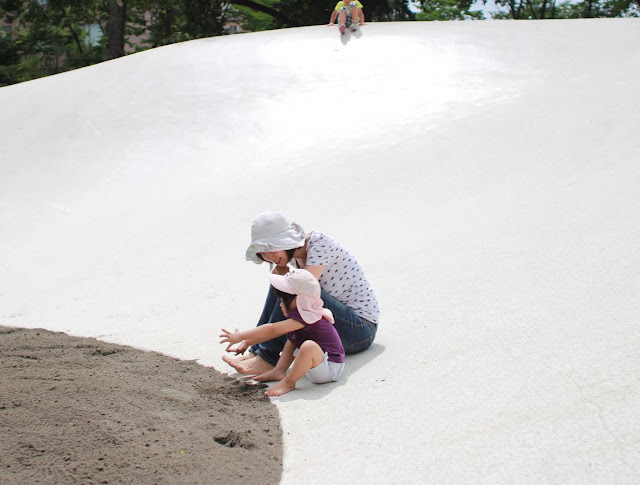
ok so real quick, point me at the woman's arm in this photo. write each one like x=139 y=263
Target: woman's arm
x=257 y=335
x=315 y=270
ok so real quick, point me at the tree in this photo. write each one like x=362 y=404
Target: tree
x=448 y=10
x=251 y=20
x=549 y=9
x=202 y=18
x=605 y=8
x=50 y=36
x=387 y=10
x=47 y=38
x=529 y=9
x=296 y=13
x=279 y=17
x=116 y=25
x=163 y=22
x=10 y=57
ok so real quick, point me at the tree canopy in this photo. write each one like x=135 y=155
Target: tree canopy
x=42 y=37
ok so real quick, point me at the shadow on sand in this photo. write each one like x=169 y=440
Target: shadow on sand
x=346 y=37
x=306 y=390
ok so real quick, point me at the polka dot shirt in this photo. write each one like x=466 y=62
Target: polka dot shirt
x=342 y=277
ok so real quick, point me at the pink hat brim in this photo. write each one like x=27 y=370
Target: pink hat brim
x=281 y=283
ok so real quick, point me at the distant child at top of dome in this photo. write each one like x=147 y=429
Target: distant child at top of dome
x=347 y=11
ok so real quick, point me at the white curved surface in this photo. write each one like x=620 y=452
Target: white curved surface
x=485 y=174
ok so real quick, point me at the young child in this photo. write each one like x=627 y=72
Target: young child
x=313 y=344
x=340 y=11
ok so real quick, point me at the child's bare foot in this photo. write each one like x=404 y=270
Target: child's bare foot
x=280 y=388
x=272 y=375
x=239 y=358
x=252 y=366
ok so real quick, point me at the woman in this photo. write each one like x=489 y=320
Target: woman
x=345 y=289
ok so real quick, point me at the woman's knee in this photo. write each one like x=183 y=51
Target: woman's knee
x=363 y=341
x=359 y=346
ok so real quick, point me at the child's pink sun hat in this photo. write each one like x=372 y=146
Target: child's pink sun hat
x=305 y=286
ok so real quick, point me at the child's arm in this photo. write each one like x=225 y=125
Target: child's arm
x=286 y=357
x=334 y=14
x=257 y=335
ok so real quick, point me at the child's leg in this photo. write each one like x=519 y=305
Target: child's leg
x=327 y=371
x=309 y=356
x=279 y=372
x=342 y=16
x=354 y=12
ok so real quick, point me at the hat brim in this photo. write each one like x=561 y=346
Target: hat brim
x=281 y=282
x=252 y=253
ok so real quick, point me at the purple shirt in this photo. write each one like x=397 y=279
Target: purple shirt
x=322 y=332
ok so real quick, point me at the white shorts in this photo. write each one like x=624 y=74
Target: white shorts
x=326 y=371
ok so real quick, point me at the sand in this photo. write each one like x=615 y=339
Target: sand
x=78 y=410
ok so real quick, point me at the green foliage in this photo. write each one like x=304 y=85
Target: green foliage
x=162 y=22
x=607 y=8
x=387 y=10
x=448 y=10
x=528 y=9
x=47 y=37
x=10 y=66
x=306 y=13
x=202 y=18
x=251 y=20
x=549 y=9
x=51 y=37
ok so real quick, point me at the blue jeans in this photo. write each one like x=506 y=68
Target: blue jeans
x=356 y=333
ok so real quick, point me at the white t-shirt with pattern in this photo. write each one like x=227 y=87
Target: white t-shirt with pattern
x=342 y=277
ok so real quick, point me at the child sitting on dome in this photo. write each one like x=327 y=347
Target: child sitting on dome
x=313 y=344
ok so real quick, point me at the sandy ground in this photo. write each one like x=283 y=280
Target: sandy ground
x=77 y=410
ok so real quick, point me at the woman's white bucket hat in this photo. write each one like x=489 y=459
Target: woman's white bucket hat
x=271 y=231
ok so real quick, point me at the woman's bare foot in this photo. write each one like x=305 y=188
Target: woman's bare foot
x=252 y=366
x=233 y=361
x=280 y=388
